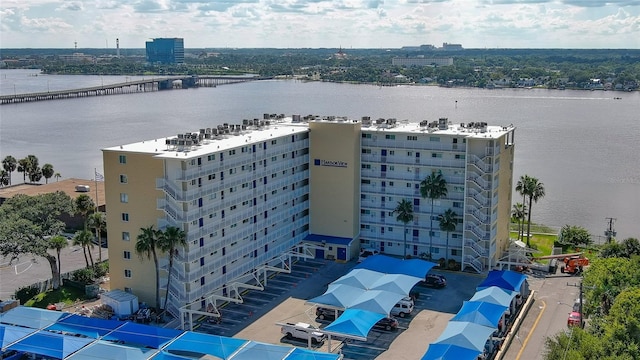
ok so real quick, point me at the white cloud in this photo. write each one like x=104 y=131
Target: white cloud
x=323 y=23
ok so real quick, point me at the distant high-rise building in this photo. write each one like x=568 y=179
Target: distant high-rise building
x=165 y=51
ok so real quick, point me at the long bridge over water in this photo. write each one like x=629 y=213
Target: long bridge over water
x=131 y=87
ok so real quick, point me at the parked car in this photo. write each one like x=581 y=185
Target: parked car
x=366 y=252
x=387 y=324
x=403 y=308
x=575 y=319
x=435 y=280
x=302 y=331
x=326 y=313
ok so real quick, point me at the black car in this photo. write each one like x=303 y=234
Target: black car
x=435 y=280
x=387 y=324
x=326 y=313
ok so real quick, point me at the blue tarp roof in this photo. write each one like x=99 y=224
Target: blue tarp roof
x=479 y=312
x=494 y=295
x=328 y=239
x=354 y=322
x=375 y=285
x=450 y=352
x=141 y=342
x=465 y=334
x=504 y=279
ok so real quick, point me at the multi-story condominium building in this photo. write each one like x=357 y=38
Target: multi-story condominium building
x=421 y=61
x=165 y=50
x=248 y=194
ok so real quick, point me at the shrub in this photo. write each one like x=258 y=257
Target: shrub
x=442 y=263
x=101 y=269
x=84 y=276
x=25 y=294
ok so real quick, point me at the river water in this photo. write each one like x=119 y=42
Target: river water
x=583 y=145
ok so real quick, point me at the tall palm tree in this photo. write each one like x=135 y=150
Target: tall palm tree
x=146 y=244
x=519 y=212
x=9 y=164
x=83 y=205
x=521 y=189
x=58 y=243
x=448 y=222
x=47 y=172
x=433 y=187
x=84 y=238
x=169 y=239
x=97 y=222
x=57 y=176
x=23 y=167
x=404 y=214
x=534 y=191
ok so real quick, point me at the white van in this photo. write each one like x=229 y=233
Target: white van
x=403 y=308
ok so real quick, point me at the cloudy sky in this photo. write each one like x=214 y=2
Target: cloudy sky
x=322 y=23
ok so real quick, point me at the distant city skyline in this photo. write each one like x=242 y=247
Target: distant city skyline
x=322 y=23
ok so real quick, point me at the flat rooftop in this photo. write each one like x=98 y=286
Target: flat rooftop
x=192 y=144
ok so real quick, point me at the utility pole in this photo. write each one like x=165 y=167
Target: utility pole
x=610 y=233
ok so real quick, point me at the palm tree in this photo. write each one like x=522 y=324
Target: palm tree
x=404 y=214
x=23 y=167
x=5 y=178
x=47 y=172
x=146 y=244
x=9 y=164
x=519 y=212
x=169 y=239
x=57 y=176
x=83 y=205
x=521 y=189
x=534 y=190
x=98 y=223
x=84 y=238
x=433 y=187
x=58 y=243
x=448 y=221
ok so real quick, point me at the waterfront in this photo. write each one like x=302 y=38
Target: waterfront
x=583 y=145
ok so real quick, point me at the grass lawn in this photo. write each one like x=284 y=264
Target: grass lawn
x=66 y=294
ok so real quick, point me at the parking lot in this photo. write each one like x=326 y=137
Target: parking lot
x=284 y=297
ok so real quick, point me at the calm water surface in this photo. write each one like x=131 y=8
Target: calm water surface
x=583 y=145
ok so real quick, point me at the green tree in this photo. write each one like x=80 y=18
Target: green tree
x=97 y=221
x=518 y=213
x=575 y=235
x=631 y=247
x=448 y=222
x=57 y=176
x=169 y=239
x=83 y=205
x=146 y=245
x=23 y=167
x=32 y=168
x=521 y=189
x=84 y=238
x=534 y=190
x=27 y=223
x=47 y=172
x=5 y=178
x=9 y=164
x=433 y=187
x=58 y=243
x=404 y=214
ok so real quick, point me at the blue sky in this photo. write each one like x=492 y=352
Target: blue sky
x=322 y=23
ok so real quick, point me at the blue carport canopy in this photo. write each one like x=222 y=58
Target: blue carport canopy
x=504 y=279
x=106 y=350
x=450 y=352
x=151 y=336
x=10 y=334
x=82 y=325
x=50 y=344
x=494 y=295
x=479 y=312
x=31 y=317
x=387 y=265
x=204 y=344
x=355 y=323
x=465 y=334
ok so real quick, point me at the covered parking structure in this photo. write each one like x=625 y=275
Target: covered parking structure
x=369 y=292
x=59 y=335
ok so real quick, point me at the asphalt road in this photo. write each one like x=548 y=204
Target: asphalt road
x=28 y=269
x=548 y=315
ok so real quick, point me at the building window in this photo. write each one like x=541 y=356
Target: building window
x=392 y=152
x=127 y=255
x=460 y=156
x=123 y=179
x=366 y=151
x=436 y=155
x=127 y=273
x=122 y=159
x=454 y=252
x=366 y=136
x=434 y=138
x=125 y=217
x=126 y=236
x=211 y=157
x=124 y=198
x=412 y=138
x=390 y=137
